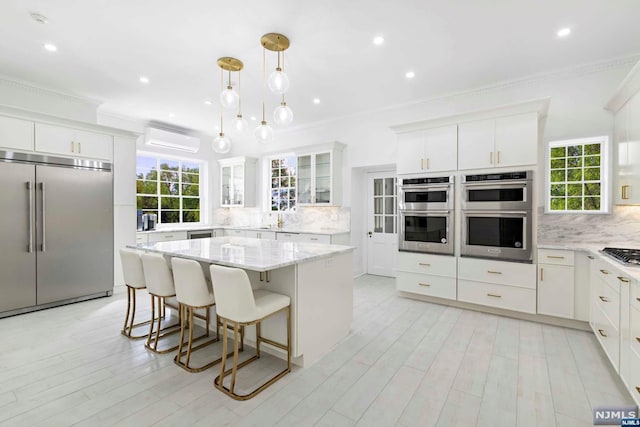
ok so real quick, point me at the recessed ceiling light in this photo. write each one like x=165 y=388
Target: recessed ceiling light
x=378 y=40
x=253 y=118
x=410 y=74
x=316 y=100
x=50 y=47
x=207 y=102
x=172 y=115
x=564 y=32
x=144 y=79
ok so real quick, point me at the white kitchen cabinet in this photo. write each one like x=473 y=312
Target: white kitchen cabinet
x=627 y=153
x=556 y=283
x=237 y=182
x=314 y=238
x=236 y=233
x=287 y=237
x=72 y=142
x=16 y=134
x=605 y=309
x=502 y=142
x=431 y=150
x=495 y=295
x=142 y=238
x=159 y=236
x=426 y=274
x=261 y=234
x=319 y=177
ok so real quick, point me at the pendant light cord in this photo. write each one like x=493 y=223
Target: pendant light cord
x=239 y=95
x=264 y=80
x=221 y=109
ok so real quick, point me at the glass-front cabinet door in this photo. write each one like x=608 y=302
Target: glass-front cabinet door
x=322 y=179
x=304 y=181
x=238 y=185
x=225 y=199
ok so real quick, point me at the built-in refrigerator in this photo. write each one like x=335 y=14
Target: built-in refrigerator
x=56 y=224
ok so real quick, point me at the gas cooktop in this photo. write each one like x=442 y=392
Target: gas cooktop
x=625 y=256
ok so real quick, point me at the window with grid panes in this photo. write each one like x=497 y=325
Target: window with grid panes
x=169 y=188
x=283 y=183
x=384 y=205
x=577 y=176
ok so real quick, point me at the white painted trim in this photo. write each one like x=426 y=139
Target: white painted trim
x=30 y=87
x=627 y=88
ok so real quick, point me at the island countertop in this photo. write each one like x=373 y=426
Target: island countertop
x=243 y=252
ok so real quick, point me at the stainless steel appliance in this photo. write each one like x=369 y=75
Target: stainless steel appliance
x=497 y=216
x=199 y=234
x=57 y=231
x=503 y=191
x=149 y=222
x=624 y=255
x=426 y=215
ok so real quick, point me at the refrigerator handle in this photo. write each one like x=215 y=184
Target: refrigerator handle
x=30 y=188
x=44 y=218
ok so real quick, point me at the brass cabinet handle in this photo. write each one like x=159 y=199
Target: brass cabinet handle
x=638 y=389
x=603 y=299
x=79 y=147
x=494 y=296
x=490 y=157
x=623 y=279
x=423 y=284
x=602 y=332
x=421 y=164
x=591 y=257
x=638 y=299
x=427 y=163
x=313 y=238
x=555 y=257
x=638 y=339
x=73 y=147
x=424 y=264
x=541 y=274
x=168 y=235
x=494 y=272
x=498 y=157
x=604 y=272
x=625 y=192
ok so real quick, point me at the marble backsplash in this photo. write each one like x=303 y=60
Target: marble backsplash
x=311 y=218
x=622 y=225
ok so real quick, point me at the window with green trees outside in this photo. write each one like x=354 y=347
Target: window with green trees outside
x=169 y=188
x=577 y=176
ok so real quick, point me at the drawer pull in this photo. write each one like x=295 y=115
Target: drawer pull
x=603 y=299
x=541 y=274
x=623 y=279
x=168 y=235
x=313 y=238
x=638 y=299
x=604 y=272
x=555 y=257
x=591 y=257
x=494 y=296
x=494 y=272
x=424 y=284
x=638 y=389
x=424 y=264
x=602 y=332
x=638 y=339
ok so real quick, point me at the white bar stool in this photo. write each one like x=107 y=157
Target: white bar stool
x=160 y=286
x=238 y=304
x=192 y=293
x=134 y=280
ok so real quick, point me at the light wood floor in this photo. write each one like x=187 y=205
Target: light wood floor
x=406 y=363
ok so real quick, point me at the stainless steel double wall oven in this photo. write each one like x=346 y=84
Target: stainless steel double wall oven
x=497 y=215
x=426 y=214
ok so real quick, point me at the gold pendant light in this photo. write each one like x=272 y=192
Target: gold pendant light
x=228 y=99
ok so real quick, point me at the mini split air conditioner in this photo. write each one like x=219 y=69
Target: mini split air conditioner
x=162 y=138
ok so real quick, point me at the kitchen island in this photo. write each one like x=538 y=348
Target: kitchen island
x=317 y=278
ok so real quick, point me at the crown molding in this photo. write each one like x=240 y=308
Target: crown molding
x=627 y=88
x=558 y=74
x=49 y=93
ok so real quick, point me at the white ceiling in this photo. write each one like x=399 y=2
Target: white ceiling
x=105 y=45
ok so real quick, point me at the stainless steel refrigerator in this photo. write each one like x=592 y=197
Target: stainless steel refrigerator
x=56 y=225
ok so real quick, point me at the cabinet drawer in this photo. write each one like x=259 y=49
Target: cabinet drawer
x=500 y=296
x=634 y=319
x=435 y=286
x=142 y=238
x=291 y=237
x=314 y=238
x=607 y=300
x=557 y=257
x=609 y=276
x=634 y=376
x=165 y=237
x=16 y=134
x=235 y=233
x=608 y=336
x=267 y=235
x=500 y=272
x=435 y=265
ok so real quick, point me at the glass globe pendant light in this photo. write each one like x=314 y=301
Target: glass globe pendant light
x=283 y=115
x=278 y=79
x=239 y=124
x=229 y=98
x=264 y=132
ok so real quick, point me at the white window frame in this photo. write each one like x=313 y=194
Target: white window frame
x=605 y=175
x=202 y=186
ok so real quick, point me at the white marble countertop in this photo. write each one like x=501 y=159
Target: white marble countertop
x=244 y=252
x=595 y=249
x=285 y=229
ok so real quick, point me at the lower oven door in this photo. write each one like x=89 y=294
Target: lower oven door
x=430 y=232
x=491 y=234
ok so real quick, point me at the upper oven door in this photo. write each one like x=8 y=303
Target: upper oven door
x=426 y=231
x=515 y=195
x=491 y=234
x=426 y=197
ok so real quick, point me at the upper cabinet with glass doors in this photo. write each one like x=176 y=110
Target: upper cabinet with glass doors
x=319 y=177
x=237 y=182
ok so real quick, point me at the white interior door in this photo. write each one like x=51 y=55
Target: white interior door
x=382 y=237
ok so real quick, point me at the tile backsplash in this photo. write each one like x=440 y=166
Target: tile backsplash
x=622 y=225
x=310 y=218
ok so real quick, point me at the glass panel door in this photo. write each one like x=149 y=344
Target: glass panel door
x=323 y=178
x=384 y=205
x=226 y=185
x=304 y=179
x=238 y=184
